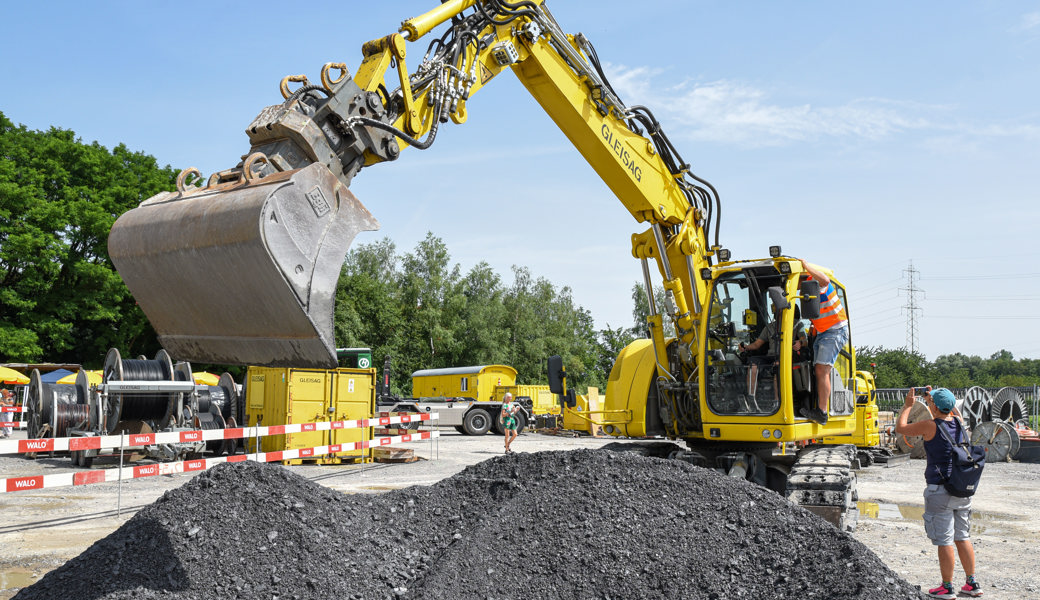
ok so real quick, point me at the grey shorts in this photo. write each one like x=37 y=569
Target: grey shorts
x=946 y=518
x=829 y=344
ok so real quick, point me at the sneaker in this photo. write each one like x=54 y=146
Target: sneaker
x=971 y=589
x=944 y=592
x=814 y=414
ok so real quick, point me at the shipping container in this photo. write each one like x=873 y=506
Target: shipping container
x=283 y=396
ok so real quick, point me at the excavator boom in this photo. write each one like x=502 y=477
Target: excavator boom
x=243 y=269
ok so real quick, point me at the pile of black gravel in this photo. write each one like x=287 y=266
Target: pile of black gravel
x=581 y=524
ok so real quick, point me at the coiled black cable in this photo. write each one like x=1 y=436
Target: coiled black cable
x=144 y=407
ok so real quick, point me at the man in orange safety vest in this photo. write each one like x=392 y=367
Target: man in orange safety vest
x=832 y=334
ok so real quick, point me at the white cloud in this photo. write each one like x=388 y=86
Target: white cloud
x=734 y=112
x=737 y=113
x=1028 y=21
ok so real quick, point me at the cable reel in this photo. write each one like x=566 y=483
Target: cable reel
x=157 y=408
x=52 y=409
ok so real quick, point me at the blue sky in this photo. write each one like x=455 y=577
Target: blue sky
x=864 y=137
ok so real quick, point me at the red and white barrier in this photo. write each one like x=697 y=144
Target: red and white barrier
x=177 y=437
x=37 y=482
x=12 y=424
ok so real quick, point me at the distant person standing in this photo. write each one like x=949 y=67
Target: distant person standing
x=509 y=410
x=6 y=402
x=947 y=518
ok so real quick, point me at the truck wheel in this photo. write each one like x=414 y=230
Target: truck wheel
x=521 y=422
x=477 y=422
x=460 y=429
x=496 y=426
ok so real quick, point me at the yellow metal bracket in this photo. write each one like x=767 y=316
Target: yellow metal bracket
x=624 y=417
x=379 y=54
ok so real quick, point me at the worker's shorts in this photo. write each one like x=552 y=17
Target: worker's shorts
x=509 y=423
x=946 y=518
x=829 y=343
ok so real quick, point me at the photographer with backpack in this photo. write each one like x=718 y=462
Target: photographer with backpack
x=947 y=497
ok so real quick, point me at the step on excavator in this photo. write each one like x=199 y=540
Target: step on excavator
x=276 y=227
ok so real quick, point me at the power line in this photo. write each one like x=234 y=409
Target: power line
x=977 y=277
x=986 y=317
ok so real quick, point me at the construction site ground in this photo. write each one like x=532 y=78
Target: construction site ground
x=40 y=530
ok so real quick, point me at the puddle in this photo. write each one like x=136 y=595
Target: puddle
x=17 y=578
x=981 y=521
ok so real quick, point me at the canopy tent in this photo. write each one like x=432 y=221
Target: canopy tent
x=206 y=378
x=93 y=378
x=54 y=376
x=12 y=377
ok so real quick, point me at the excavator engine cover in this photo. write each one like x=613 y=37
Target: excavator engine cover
x=243 y=272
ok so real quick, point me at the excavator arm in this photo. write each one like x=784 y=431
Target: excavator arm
x=243 y=269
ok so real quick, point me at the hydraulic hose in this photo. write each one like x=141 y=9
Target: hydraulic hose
x=421 y=145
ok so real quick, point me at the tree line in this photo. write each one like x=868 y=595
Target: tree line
x=62 y=301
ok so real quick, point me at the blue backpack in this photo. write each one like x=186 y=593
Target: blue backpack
x=967 y=460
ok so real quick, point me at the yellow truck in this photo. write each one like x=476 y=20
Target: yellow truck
x=469 y=398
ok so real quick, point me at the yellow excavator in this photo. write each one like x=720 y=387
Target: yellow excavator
x=276 y=227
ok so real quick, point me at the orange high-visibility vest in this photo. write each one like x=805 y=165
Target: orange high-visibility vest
x=832 y=313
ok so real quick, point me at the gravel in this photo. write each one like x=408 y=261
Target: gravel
x=578 y=524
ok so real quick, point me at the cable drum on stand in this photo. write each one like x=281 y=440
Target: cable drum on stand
x=1008 y=406
x=155 y=408
x=914 y=445
x=52 y=408
x=1000 y=440
x=976 y=406
x=207 y=421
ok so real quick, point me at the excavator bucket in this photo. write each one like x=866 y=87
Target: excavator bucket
x=242 y=272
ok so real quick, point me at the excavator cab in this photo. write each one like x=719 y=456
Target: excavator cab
x=749 y=304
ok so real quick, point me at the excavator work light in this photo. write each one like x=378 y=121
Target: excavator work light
x=785 y=268
x=724 y=255
x=774 y=251
x=706 y=274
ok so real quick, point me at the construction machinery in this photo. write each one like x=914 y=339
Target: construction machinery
x=277 y=226
x=466 y=398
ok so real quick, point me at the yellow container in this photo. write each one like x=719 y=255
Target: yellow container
x=543 y=400
x=478 y=382
x=280 y=396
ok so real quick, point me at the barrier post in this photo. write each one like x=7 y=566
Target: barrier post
x=119 y=486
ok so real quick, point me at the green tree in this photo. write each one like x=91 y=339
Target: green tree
x=369 y=311
x=611 y=342
x=484 y=331
x=60 y=297
x=895 y=368
x=641 y=307
x=432 y=305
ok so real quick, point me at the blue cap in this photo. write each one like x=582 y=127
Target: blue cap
x=943 y=399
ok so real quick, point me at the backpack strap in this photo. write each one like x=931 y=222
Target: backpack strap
x=946 y=434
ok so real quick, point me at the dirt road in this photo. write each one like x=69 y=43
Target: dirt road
x=41 y=530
